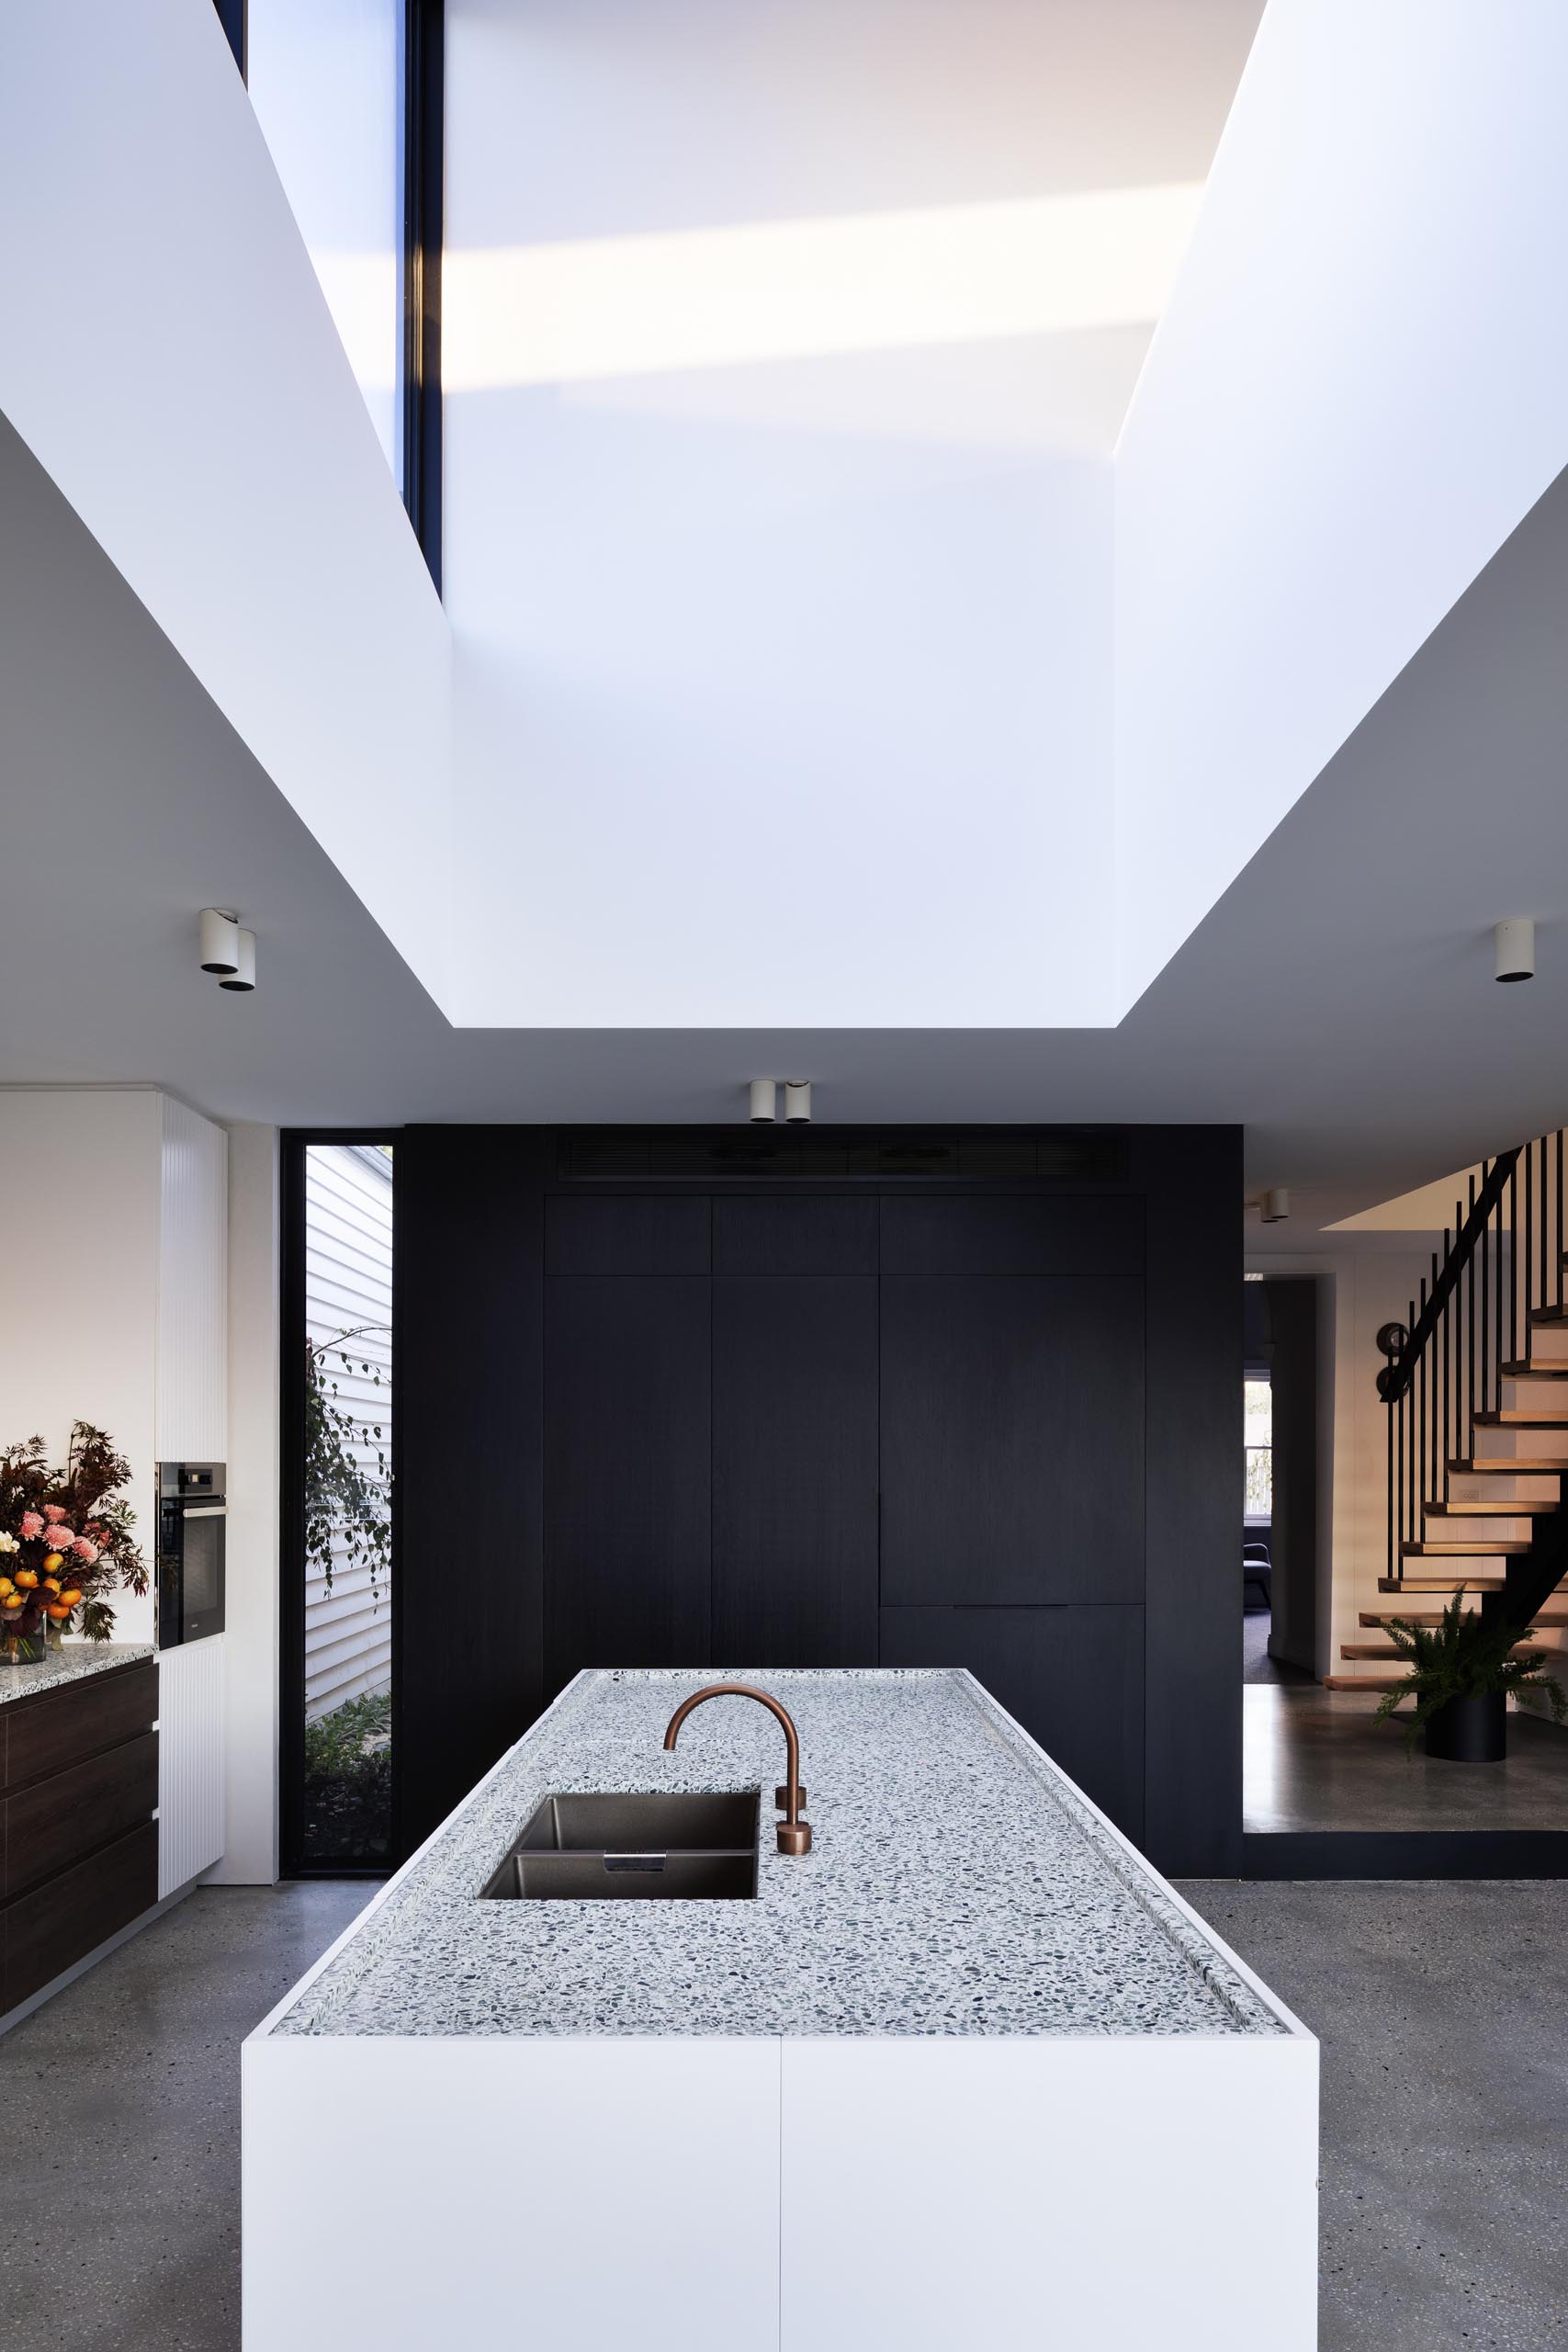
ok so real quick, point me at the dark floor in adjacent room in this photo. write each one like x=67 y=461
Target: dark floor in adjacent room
x=1316 y=1760
x=1443 y=2012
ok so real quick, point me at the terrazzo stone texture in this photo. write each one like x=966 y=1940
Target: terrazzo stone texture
x=1443 y=2015
x=958 y=1885
x=73 y=1664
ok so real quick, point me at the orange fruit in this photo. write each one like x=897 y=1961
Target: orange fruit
x=26 y=1578
x=56 y=1612
x=54 y=1560
x=71 y=1596
x=52 y=1584
x=12 y=1600
x=5 y=1587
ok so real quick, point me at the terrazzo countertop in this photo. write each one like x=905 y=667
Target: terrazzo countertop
x=73 y=1664
x=957 y=1884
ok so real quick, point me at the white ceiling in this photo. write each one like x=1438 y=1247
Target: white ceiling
x=1337 y=1001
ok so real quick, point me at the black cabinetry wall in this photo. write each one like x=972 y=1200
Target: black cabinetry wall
x=750 y=1422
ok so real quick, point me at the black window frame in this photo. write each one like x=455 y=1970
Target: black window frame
x=422 y=162
x=293 y=1862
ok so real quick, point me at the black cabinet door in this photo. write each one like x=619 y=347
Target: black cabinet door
x=626 y=1472
x=794 y=1468
x=1074 y=1679
x=1013 y=1438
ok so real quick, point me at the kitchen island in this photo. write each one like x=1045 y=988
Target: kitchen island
x=967 y=2073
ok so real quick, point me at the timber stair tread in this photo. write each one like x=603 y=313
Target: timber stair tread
x=1509 y=1548
x=1533 y=1420
x=1364 y=1681
x=1531 y=1507
x=1382 y=1650
x=1440 y=1583
x=1549 y=1314
x=1548 y=1617
x=1517 y=1465
x=1524 y=1368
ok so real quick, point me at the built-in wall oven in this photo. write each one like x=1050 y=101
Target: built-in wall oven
x=192 y=1512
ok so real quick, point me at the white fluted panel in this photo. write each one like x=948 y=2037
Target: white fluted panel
x=193 y=1284
x=190 y=1761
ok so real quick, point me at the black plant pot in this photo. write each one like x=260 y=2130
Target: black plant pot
x=1470 y=1731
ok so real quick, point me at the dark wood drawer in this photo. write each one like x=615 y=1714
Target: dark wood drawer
x=60 y=1924
x=59 y=1727
x=52 y=1824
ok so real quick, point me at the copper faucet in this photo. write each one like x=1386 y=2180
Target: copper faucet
x=794 y=1834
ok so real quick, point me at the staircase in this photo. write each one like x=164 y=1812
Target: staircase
x=1476 y=1387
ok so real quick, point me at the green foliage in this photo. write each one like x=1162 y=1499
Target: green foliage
x=348 y=1781
x=1464 y=1657
x=344 y=1500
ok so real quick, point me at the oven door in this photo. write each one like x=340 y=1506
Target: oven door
x=201 y=1583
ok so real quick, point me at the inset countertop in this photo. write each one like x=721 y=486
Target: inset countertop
x=958 y=1884
x=74 y=1663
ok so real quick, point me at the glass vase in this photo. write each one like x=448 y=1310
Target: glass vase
x=17 y=1649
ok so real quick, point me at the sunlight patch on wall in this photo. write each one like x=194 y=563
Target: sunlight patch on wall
x=604 y=307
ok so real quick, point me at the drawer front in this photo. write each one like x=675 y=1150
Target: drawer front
x=60 y=1727
x=60 y=1924
x=52 y=1824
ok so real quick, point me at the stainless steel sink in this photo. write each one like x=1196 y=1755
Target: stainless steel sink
x=654 y=1848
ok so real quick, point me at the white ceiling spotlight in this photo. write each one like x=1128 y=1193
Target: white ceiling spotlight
x=1275 y=1206
x=227 y=951
x=1514 y=942
x=242 y=980
x=797 y=1102
x=764 y=1101
x=220 y=941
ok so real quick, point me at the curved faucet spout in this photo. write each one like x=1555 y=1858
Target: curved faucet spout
x=794 y=1834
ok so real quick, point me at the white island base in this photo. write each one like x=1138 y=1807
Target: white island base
x=493 y=2177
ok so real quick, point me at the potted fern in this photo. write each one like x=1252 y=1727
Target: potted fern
x=1462 y=1675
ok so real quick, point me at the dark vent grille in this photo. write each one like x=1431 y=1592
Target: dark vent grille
x=1065 y=1156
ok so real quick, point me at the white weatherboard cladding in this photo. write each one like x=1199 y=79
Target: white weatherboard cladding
x=348 y=1288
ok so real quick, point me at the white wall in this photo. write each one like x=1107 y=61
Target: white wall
x=251 y=1639
x=172 y=362
x=190 y=1420
x=79 y=1217
x=1353 y=397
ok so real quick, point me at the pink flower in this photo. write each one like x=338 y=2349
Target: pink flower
x=60 y=1534
x=54 y=1511
x=85 y=1550
x=31 y=1525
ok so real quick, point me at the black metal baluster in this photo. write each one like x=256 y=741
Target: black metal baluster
x=1392 y=1488
x=1444 y=1447
x=1408 y=1535
x=1558 y=1235
x=1467 y=1448
x=1513 y=1273
x=1486 y=1299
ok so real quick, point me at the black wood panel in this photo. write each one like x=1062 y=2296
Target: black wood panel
x=794 y=1468
x=627 y=1441
x=1012 y=1439
x=1074 y=1678
x=45 y=1732
x=53 y=1823
x=834 y=1236
x=1193 y=1497
x=625 y=1234
x=468 y=1402
x=1005 y=1234
x=59 y=1923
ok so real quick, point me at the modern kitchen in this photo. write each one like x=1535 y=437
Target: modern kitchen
x=785 y=1276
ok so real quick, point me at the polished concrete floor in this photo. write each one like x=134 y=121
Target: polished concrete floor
x=1315 y=1759
x=1443 y=2012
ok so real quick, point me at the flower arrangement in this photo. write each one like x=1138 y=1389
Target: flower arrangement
x=65 y=1539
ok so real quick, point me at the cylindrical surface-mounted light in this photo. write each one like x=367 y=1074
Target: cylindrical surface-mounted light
x=797 y=1102
x=1276 y=1205
x=219 y=941
x=1514 y=944
x=243 y=977
x=764 y=1100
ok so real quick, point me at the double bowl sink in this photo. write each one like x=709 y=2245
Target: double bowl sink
x=647 y=1848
